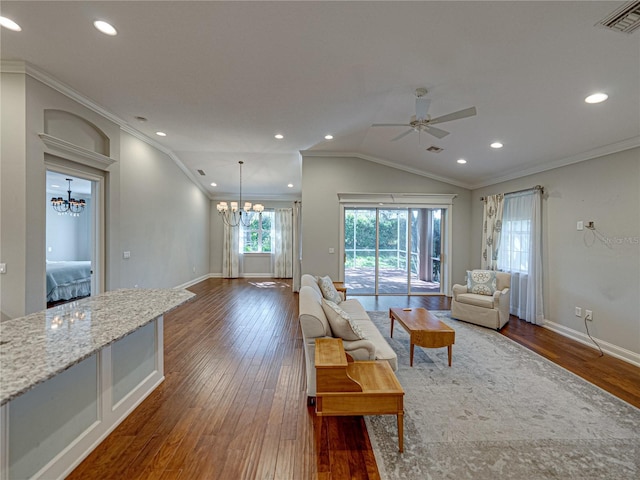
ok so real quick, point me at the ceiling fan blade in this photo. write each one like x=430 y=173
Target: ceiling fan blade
x=390 y=125
x=436 y=132
x=422 y=105
x=467 y=112
x=402 y=135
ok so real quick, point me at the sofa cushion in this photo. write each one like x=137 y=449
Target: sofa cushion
x=341 y=323
x=329 y=290
x=481 y=282
x=484 y=301
x=383 y=349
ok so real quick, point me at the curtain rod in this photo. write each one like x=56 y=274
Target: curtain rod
x=537 y=187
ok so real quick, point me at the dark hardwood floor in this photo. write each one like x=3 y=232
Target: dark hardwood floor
x=233 y=403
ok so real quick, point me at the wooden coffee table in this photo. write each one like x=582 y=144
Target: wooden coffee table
x=424 y=328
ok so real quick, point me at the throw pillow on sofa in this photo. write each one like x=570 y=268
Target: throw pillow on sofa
x=329 y=290
x=481 y=282
x=340 y=322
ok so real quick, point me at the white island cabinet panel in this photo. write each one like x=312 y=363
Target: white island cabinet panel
x=71 y=374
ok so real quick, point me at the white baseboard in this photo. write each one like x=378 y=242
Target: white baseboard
x=194 y=281
x=608 y=348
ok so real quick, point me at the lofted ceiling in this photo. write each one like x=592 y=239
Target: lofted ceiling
x=222 y=78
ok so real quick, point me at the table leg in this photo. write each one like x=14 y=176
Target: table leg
x=411 y=355
x=400 y=431
x=449 y=348
x=391 y=316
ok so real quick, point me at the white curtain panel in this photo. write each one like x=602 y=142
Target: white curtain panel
x=297 y=246
x=283 y=243
x=491 y=228
x=521 y=254
x=231 y=258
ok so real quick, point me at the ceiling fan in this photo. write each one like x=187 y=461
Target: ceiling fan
x=421 y=122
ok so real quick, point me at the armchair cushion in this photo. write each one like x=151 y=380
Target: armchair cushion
x=481 y=282
x=329 y=290
x=484 y=301
x=341 y=323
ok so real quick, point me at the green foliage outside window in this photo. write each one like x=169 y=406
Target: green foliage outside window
x=257 y=236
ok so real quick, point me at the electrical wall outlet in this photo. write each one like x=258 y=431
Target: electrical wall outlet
x=578 y=311
x=588 y=315
x=126 y=255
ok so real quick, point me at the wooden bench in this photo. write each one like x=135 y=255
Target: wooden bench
x=345 y=387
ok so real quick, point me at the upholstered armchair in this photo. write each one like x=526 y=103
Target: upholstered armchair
x=484 y=300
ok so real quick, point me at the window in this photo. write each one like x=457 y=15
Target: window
x=514 y=250
x=256 y=237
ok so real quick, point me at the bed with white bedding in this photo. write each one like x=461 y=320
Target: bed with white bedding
x=68 y=279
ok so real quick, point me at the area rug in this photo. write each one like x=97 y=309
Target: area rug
x=500 y=411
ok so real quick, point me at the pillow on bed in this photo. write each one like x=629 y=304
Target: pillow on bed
x=341 y=323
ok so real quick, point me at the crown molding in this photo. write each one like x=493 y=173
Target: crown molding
x=370 y=158
x=621 y=146
x=34 y=72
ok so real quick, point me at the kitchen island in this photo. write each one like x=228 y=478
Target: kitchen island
x=70 y=374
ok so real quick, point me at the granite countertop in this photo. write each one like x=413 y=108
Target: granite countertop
x=41 y=345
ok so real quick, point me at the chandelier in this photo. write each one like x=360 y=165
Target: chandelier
x=70 y=205
x=233 y=215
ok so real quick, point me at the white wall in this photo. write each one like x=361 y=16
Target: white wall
x=152 y=208
x=596 y=270
x=164 y=220
x=254 y=265
x=13 y=194
x=324 y=177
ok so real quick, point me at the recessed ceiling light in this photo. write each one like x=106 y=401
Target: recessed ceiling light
x=290 y=185
x=105 y=27
x=10 y=24
x=213 y=184
x=496 y=145
x=462 y=160
x=596 y=98
x=279 y=136
x=328 y=137
x=161 y=134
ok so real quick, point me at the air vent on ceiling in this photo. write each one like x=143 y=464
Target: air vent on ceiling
x=201 y=172
x=434 y=149
x=626 y=19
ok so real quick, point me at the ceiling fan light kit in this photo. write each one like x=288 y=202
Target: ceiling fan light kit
x=422 y=122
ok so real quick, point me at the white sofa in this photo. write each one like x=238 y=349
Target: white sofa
x=314 y=325
x=486 y=310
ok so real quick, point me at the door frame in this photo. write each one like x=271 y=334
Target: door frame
x=443 y=202
x=97 y=216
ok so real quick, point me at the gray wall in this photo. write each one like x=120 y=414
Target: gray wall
x=324 y=177
x=67 y=237
x=596 y=270
x=164 y=220
x=152 y=209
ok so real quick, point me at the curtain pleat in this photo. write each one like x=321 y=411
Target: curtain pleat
x=283 y=243
x=491 y=228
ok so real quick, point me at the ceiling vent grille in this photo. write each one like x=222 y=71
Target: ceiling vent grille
x=626 y=19
x=201 y=172
x=434 y=149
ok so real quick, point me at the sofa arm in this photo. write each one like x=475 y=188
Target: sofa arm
x=360 y=349
x=499 y=295
x=459 y=289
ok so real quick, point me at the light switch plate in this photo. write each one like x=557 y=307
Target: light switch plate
x=580 y=225
x=3 y=268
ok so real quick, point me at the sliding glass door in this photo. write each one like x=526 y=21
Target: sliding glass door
x=392 y=251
